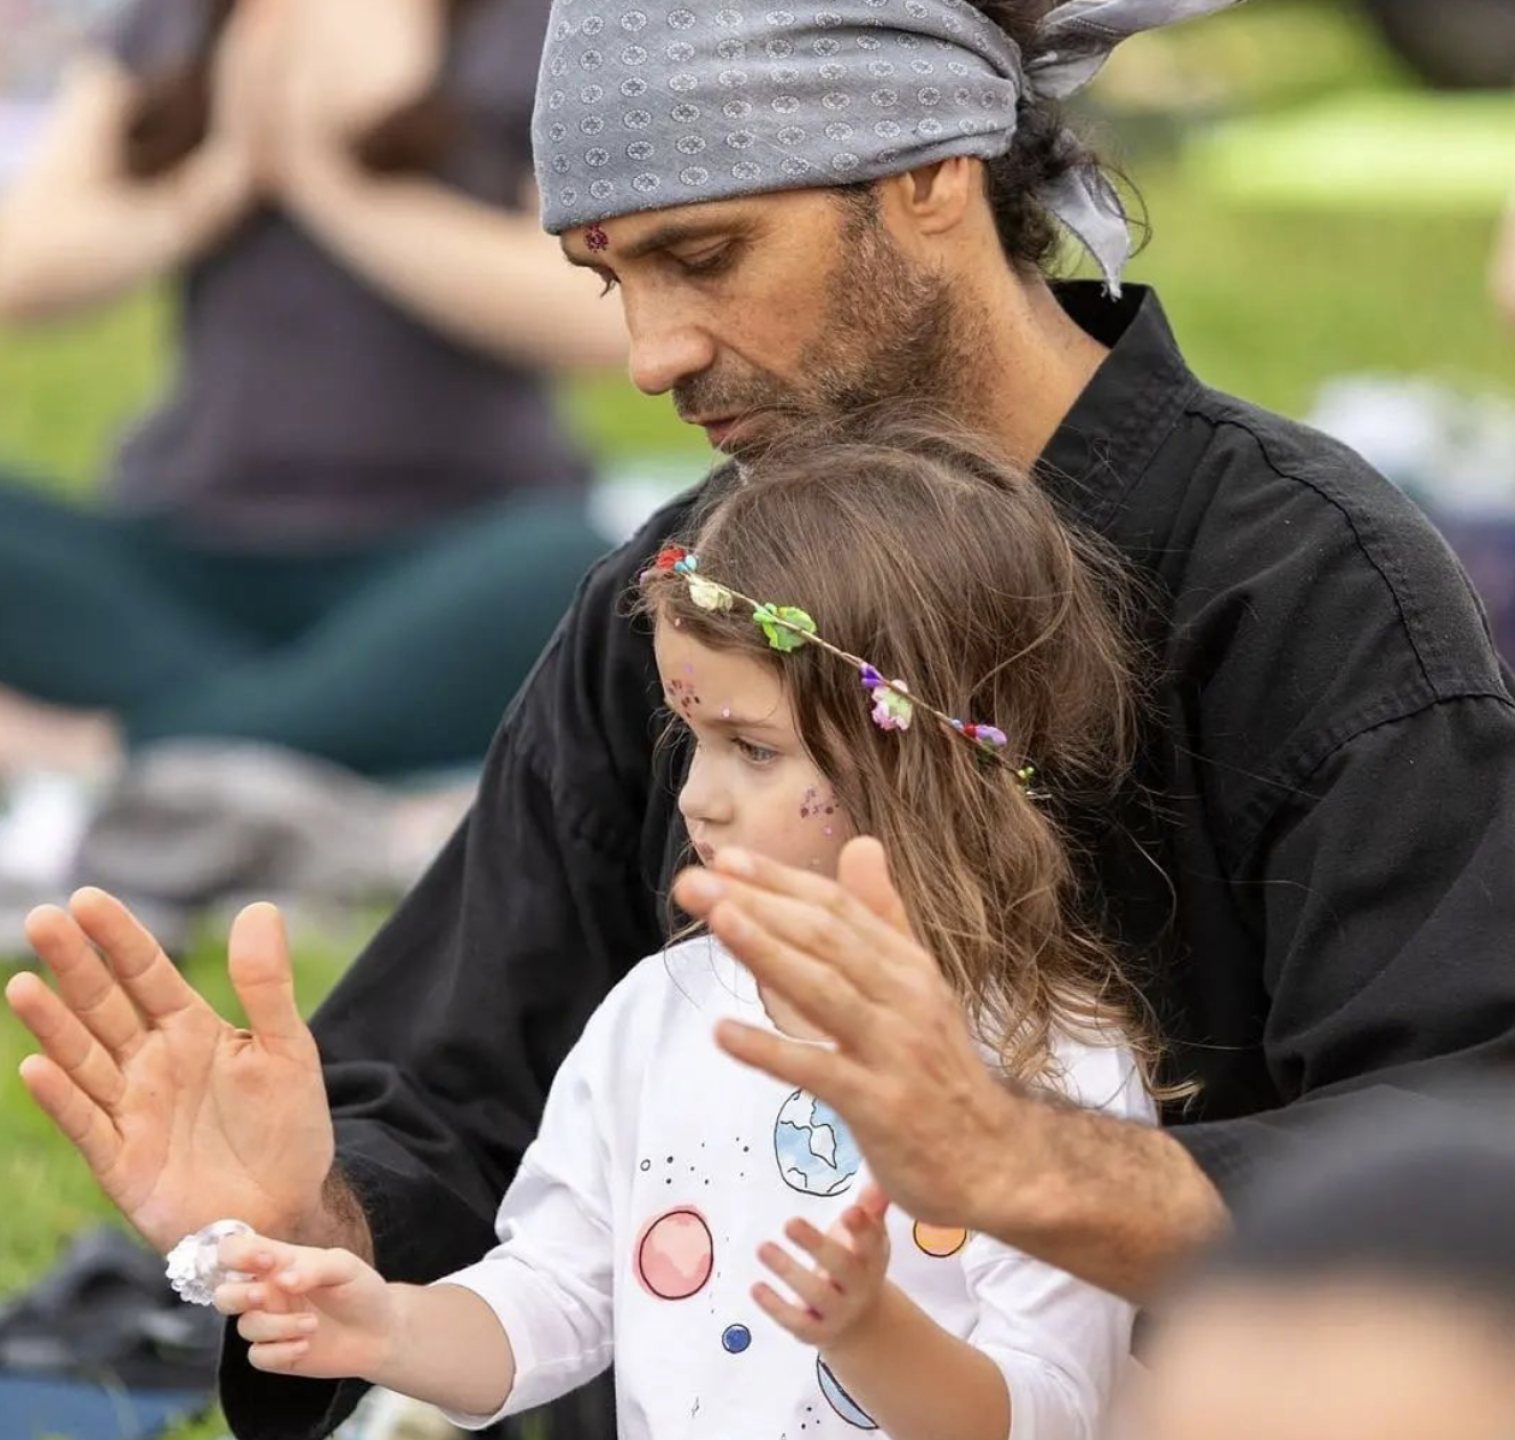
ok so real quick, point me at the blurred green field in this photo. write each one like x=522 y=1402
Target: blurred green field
x=1269 y=303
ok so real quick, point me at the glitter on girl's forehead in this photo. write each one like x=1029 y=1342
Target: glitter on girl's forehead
x=596 y=238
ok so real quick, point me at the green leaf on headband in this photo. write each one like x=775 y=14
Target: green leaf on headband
x=785 y=626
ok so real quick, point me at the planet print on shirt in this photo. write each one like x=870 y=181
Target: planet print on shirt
x=840 y=1400
x=815 y=1150
x=675 y=1254
x=939 y=1241
x=735 y=1339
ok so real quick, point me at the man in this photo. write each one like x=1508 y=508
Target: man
x=1369 y=1292
x=1313 y=870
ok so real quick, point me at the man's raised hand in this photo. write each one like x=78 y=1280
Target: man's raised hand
x=183 y=1118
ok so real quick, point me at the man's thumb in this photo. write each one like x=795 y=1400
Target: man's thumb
x=863 y=871
x=261 y=974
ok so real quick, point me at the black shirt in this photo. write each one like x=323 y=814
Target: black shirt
x=1316 y=864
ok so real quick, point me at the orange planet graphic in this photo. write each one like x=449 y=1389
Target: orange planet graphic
x=939 y=1241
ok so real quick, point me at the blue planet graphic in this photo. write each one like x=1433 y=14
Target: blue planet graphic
x=815 y=1150
x=735 y=1339
x=840 y=1400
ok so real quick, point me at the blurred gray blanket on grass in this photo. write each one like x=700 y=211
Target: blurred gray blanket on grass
x=197 y=826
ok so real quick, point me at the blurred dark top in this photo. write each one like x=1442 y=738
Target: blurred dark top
x=307 y=408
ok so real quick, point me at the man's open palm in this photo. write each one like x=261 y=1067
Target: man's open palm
x=183 y=1118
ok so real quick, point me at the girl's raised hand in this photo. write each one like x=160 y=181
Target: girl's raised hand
x=840 y=1293
x=320 y=1313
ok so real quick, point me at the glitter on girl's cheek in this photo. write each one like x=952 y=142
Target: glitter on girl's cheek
x=830 y=831
x=725 y=712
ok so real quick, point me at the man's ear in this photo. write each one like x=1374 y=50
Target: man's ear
x=934 y=200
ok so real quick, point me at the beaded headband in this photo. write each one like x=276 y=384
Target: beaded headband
x=787 y=628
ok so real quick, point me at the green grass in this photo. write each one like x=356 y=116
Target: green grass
x=1268 y=305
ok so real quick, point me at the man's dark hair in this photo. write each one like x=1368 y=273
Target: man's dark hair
x=1044 y=150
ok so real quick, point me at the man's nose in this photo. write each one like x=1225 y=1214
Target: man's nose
x=665 y=350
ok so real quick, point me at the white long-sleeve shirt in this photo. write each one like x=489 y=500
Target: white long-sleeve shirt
x=631 y=1230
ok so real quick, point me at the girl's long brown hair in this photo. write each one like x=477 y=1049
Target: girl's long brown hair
x=172 y=112
x=923 y=552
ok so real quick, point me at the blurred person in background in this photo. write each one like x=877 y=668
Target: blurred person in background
x=1368 y=1293
x=354 y=522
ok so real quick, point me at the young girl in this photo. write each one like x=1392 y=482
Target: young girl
x=896 y=637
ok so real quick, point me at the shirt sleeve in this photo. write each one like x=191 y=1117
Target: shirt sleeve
x=440 y=1043
x=1061 y=1344
x=1383 y=883
x=549 y=1280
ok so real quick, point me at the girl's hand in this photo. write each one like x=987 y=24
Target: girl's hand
x=842 y=1292
x=320 y=1313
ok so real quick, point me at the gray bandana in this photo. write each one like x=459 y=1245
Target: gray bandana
x=648 y=104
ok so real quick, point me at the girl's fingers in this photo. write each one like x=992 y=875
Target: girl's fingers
x=829 y=1254
x=867 y=1231
x=318 y=1269
x=235 y=1298
x=818 y=1293
x=256 y=1254
x=265 y=1326
x=802 y=1324
x=280 y=1357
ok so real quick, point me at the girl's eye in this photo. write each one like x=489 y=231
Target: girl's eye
x=608 y=282
x=757 y=754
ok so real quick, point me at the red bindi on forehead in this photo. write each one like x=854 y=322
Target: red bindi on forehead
x=596 y=238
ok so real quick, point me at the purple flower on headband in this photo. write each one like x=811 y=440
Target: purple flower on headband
x=871 y=678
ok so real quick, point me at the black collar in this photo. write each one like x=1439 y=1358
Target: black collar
x=1108 y=440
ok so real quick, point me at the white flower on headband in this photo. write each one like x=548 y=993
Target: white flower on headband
x=708 y=595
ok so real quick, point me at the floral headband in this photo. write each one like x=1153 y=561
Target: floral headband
x=788 y=628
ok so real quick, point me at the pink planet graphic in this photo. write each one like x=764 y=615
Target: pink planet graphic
x=675 y=1255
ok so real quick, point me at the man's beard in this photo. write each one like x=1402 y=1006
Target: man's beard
x=888 y=335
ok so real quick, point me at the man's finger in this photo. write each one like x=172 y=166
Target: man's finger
x=148 y=976
x=816 y=914
x=823 y=1073
x=825 y=997
x=85 y=983
x=66 y=1040
x=258 y=958
x=863 y=872
x=73 y=1112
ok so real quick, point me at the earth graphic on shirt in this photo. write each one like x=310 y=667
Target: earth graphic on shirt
x=815 y=1150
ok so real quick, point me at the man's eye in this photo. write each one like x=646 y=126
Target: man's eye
x=707 y=264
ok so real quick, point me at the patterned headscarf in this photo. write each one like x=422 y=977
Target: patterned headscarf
x=649 y=104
